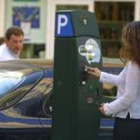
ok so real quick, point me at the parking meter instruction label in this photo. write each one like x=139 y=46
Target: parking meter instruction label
x=90 y=50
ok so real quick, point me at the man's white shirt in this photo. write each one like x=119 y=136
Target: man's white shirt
x=6 y=54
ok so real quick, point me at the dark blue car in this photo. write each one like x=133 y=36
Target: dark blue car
x=25 y=100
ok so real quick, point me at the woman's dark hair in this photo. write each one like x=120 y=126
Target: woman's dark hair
x=130 y=49
x=13 y=31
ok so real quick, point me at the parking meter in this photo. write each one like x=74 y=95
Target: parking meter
x=76 y=95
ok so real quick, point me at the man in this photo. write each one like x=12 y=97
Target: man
x=13 y=45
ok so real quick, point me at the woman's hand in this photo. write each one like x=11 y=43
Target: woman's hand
x=101 y=109
x=93 y=71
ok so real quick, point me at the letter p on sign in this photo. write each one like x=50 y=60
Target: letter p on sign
x=62 y=22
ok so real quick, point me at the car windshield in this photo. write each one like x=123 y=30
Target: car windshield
x=9 y=80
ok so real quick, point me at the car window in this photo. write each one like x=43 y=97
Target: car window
x=15 y=82
x=19 y=89
x=8 y=80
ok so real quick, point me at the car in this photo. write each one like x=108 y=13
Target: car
x=26 y=88
x=25 y=99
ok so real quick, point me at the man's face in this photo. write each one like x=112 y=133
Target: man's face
x=15 y=43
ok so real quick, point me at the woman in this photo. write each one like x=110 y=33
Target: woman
x=126 y=107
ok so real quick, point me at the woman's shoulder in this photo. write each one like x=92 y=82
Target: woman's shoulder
x=132 y=64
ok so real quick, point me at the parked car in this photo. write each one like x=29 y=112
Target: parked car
x=25 y=99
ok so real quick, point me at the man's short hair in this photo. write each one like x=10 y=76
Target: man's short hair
x=14 y=30
x=2 y=40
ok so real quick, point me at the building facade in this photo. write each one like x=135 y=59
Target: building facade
x=37 y=19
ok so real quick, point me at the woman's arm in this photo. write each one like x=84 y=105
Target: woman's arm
x=132 y=82
x=103 y=76
x=109 y=78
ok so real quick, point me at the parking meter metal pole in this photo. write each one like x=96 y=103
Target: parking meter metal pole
x=76 y=98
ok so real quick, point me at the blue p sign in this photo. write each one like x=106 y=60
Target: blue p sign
x=63 y=25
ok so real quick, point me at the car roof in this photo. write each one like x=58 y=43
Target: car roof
x=41 y=63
